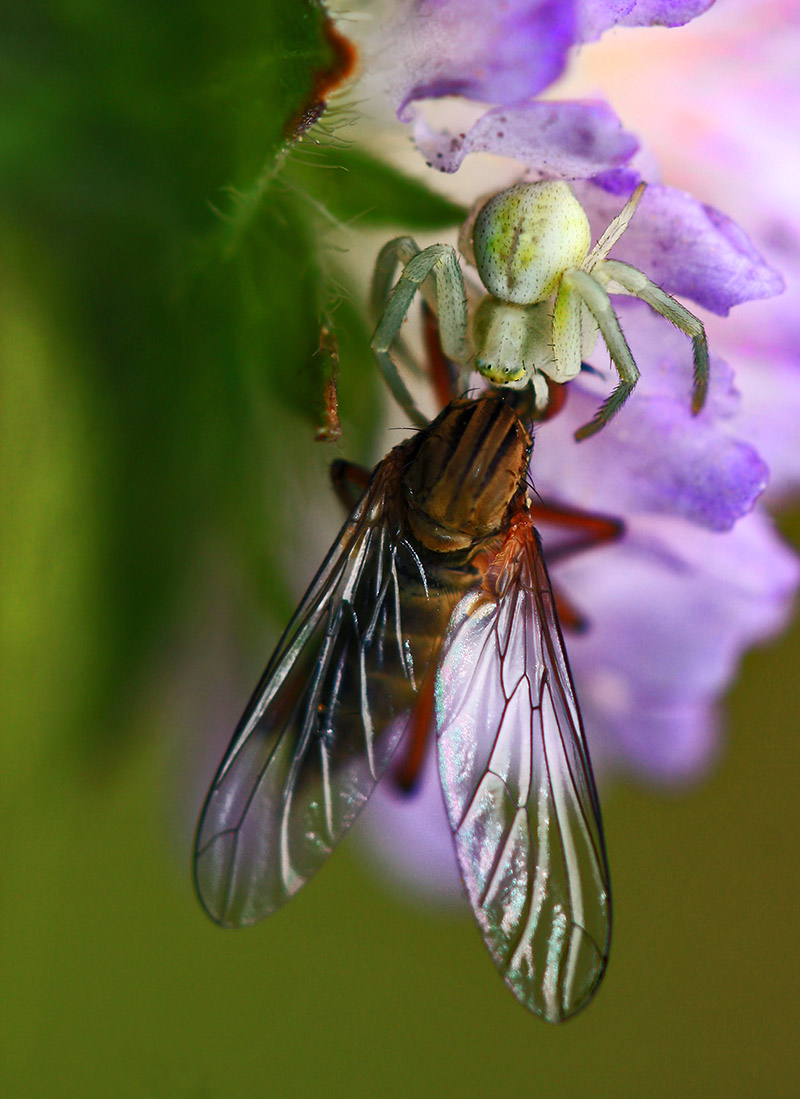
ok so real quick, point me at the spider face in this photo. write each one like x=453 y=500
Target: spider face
x=513 y=344
x=547 y=297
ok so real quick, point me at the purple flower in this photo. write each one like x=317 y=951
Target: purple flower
x=691 y=585
x=740 y=151
x=700 y=574
x=505 y=53
x=559 y=140
x=688 y=248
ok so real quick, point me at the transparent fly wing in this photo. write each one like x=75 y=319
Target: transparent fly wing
x=323 y=722
x=518 y=786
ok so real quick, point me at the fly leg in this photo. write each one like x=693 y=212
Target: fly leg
x=349 y=481
x=585 y=530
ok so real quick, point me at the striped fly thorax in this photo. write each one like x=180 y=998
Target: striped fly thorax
x=466 y=471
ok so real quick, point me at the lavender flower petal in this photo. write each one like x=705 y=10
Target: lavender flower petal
x=684 y=246
x=484 y=51
x=596 y=16
x=769 y=380
x=672 y=609
x=569 y=140
x=666 y=740
x=504 y=53
x=659 y=460
x=407 y=836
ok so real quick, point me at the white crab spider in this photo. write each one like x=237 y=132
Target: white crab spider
x=547 y=297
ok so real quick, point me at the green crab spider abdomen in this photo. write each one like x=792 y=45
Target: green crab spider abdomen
x=526 y=237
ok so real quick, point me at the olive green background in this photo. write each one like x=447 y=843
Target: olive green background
x=164 y=279
x=115 y=983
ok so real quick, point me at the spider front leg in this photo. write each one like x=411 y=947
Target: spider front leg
x=636 y=283
x=444 y=291
x=577 y=289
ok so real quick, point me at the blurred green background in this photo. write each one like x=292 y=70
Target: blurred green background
x=165 y=276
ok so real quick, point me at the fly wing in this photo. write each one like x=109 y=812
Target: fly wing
x=323 y=722
x=519 y=789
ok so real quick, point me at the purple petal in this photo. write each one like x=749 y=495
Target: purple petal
x=653 y=458
x=684 y=466
x=596 y=16
x=769 y=380
x=570 y=140
x=407 y=836
x=658 y=740
x=501 y=53
x=684 y=246
x=671 y=610
x=504 y=52
x=664 y=355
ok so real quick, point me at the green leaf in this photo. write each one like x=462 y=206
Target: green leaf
x=362 y=190
x=148 y=163
x=131 y=129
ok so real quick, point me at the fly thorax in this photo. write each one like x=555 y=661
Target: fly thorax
x=526 y=237
x=469 y=467
x=512 y=342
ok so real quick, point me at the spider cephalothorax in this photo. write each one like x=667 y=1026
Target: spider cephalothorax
x=546 y=300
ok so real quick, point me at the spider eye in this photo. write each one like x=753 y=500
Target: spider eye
x=526 y=237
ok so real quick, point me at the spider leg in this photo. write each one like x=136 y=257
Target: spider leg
x=400 y=251
x=445 y=293
x=639 y=285
x=567 y=332
x=614 y=230
x=599 y=305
